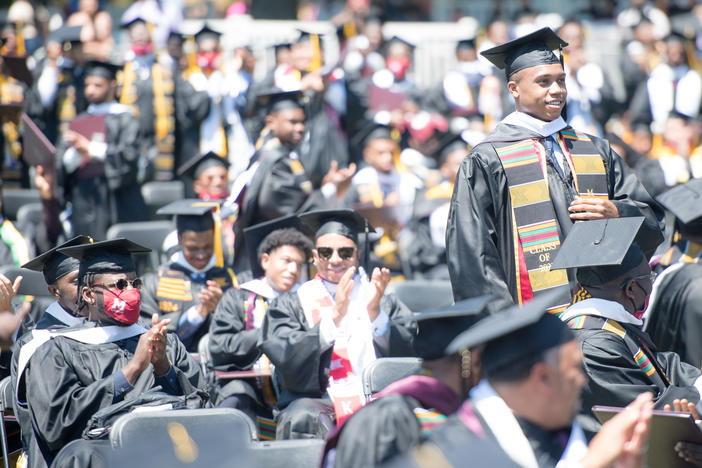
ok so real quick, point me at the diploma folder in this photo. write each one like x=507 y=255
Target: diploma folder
x=37 y=149
x=91 y=127
x=667 y=429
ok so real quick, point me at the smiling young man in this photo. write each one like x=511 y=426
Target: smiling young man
x=322 y=336
x=279 y=252
x=518 y=192
x=188 y=287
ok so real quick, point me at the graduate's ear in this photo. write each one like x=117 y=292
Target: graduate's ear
x=269 y=120
x=88 y=295
x=265 y=261
x=54 y=291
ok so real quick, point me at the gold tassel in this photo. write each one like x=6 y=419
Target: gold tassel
x=316 y=62
x=219 y=256
x=21 y=49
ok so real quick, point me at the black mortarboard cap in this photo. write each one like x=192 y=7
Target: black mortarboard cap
x=66 y=34
x=398 y=39
x=375 y=131
x=684 y=201
x=305 y=35
x=465 y=44
x=345 y=222
x=36 y=147
x=17 y=67
x=206 y=32
x=275 y=101
x=191 y=214
x=54 y=264
x=129 y=23
x=602 y=249
x=255 y=235
x=173 y=34
x=516 y=332
x=110 y=256
x=280 y=46
x=436 y=327
x=199 y=163
x=106 y=70
x=449 y=143
x=526 y=51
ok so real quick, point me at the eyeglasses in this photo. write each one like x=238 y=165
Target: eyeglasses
x=121 y=284
x=651 y=277
x=345 y=253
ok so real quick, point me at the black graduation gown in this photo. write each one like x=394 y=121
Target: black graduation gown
x=234 y=348
x=453 y=444
x=165 y=293
x=676 y=319
x=68 y=381
x=103 y=194
x=294 y=347
x=615 y=379
x=479 y=240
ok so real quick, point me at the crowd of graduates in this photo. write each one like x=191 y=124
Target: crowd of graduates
x=304 y=197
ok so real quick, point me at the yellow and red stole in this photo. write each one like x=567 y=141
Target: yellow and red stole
x=164 y=113
x=535 y=230
x=353 y=344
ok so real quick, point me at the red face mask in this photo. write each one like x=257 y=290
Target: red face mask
x=142 y=49
x=206 y=60
x=207 y=196
x=398 y=66
x=123 y=305
x=640 y=313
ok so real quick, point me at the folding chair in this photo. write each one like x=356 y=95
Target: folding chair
x=14 y=199
x=7 y=415
x=157 y=194
x=420 y=295
x=150 y=234
x=384 y=371
x=30 y=214
x=300 y=453
x=153 y=426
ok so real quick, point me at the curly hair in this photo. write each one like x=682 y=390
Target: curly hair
x=287 y=236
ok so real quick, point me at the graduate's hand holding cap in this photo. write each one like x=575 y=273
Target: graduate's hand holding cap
x=586 y=208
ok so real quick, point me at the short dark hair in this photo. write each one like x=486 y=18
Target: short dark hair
x=287 y=236
x=514 y=371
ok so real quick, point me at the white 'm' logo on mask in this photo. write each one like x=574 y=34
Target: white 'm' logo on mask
x=118 y=306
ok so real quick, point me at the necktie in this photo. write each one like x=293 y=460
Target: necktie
x=548 y=147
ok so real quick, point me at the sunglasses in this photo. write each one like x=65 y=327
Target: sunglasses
x=345 y=253
x=651 y=277
x=121 y=284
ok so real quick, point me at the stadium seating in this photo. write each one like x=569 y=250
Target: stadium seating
x=384 y=371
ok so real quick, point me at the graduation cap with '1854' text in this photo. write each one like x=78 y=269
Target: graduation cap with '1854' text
x=527 y=51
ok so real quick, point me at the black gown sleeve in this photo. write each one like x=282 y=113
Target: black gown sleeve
x=188 y=374
x=281 y=193
x=473 y=237
x=294 y=348
x=397 y=342
x=232 y=347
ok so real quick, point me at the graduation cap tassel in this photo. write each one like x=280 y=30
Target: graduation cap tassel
x=316 y=62
x=366 y=247
x=21 y=48
x=219 y=256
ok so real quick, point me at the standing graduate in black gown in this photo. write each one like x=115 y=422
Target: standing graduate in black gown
x=619 y=358
x=409 y=409
x=100 y=177
x=65 y=376
x=519 y=191
x=188 y=287
x=279 y=253
x=330 y=328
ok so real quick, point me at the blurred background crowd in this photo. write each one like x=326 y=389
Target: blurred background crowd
x=411 y=67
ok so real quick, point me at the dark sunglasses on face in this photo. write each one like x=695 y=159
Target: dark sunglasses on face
x=345 y=253
x=121 y=284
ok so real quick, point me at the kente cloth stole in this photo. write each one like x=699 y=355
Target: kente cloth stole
x=534 y=226
x=644 y=358
x=164 y=113
x=67 y=102
x=11 y=93
x=252 y=305
x=344 y=388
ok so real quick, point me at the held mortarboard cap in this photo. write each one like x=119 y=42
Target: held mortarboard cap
x=602 y=250
x=17 y=67
x=684 y=201
x=280 y=100
x=191 y=214
x=103 y=69
x=110 y=256
x=515 y=332
x=54 y=264
x=436 y=327
x=345 y=222
x=206 y=32
x=526 y=51
x=195 y=166
x=255 y=235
